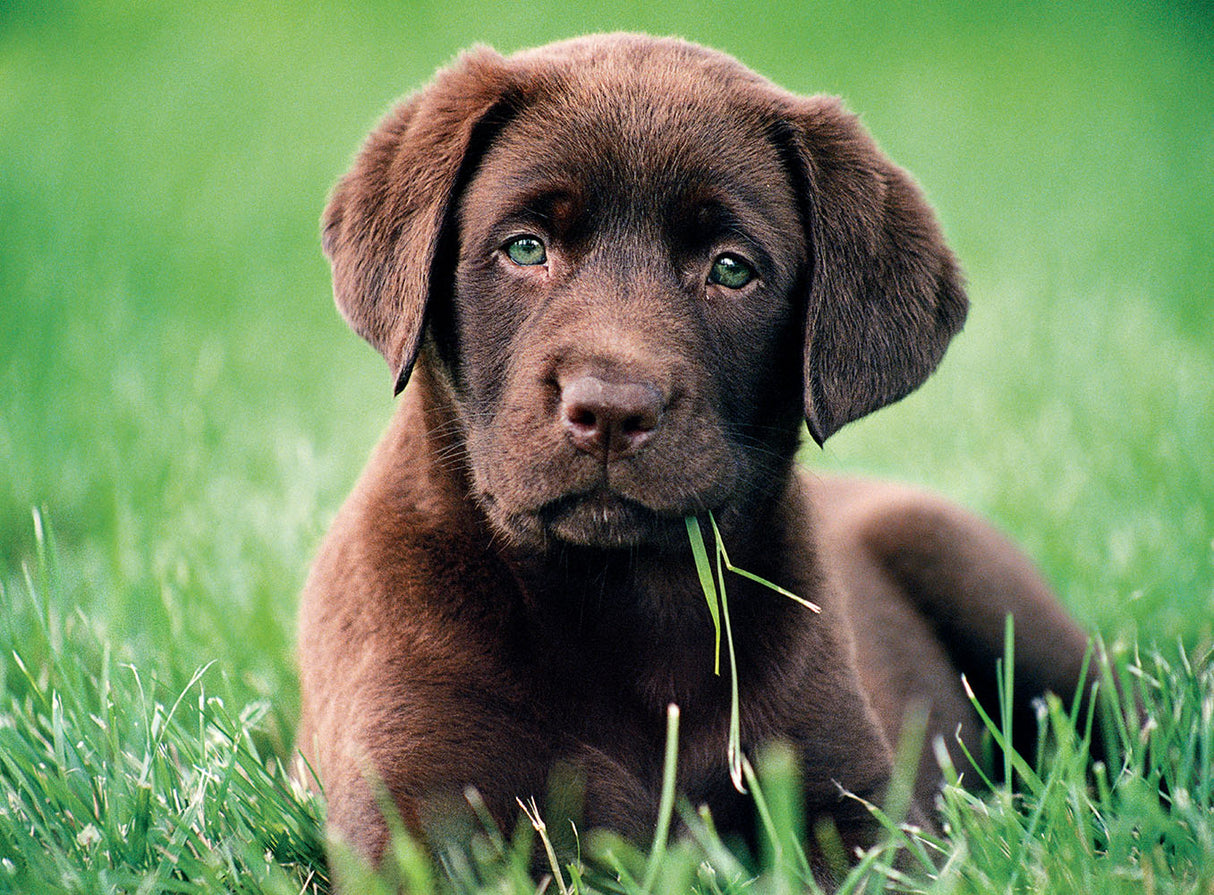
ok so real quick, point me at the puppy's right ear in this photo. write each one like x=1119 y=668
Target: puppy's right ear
x=383 y=223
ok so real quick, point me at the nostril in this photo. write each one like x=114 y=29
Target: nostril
x=637 y=425
x=581 y=417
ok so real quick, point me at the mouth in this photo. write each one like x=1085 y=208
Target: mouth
x=604 y=519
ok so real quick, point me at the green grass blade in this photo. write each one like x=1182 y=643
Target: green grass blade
x=1013 y=758
x=808 y=604
x=757 y=579
x=670 y=766
x=733 y=751
x=707 y=585
x=1004 y=677
x=532 y=811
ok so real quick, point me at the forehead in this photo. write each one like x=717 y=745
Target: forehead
x=631 y=137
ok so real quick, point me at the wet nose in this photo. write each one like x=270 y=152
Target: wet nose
x=607 y=418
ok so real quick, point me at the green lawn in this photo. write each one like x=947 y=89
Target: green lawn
x=182 y=411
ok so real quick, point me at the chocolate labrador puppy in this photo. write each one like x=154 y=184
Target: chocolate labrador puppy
x=618 y=274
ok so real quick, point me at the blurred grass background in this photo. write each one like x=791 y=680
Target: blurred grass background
x=179 y=396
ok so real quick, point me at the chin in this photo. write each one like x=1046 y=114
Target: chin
x=599 y=520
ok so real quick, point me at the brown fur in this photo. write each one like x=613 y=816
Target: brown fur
x=508 y=592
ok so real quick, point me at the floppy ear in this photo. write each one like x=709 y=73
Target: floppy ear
x=885 y=294
x=383 y=223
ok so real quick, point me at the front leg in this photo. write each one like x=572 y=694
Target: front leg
x=414 y=735
x=422 y=764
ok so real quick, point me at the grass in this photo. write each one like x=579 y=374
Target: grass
x=181 y=405
x=111 y=781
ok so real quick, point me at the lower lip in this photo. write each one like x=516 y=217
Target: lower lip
x=601 y=519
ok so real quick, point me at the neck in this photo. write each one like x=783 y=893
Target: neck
x=634 y=618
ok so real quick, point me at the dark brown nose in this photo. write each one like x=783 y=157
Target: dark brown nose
x=610 y=419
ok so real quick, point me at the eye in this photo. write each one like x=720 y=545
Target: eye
x=526 y=251
x=730 y=271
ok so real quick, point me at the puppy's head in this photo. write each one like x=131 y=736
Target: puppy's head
x=637 y=266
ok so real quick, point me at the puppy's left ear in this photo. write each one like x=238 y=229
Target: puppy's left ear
x=885 y=294
x=385 y=219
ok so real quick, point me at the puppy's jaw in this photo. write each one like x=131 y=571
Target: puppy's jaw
x=605 y=520
x=543 y=492
x=601 y=519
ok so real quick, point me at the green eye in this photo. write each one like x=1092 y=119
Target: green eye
x=730 y=271
x=526 y=251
